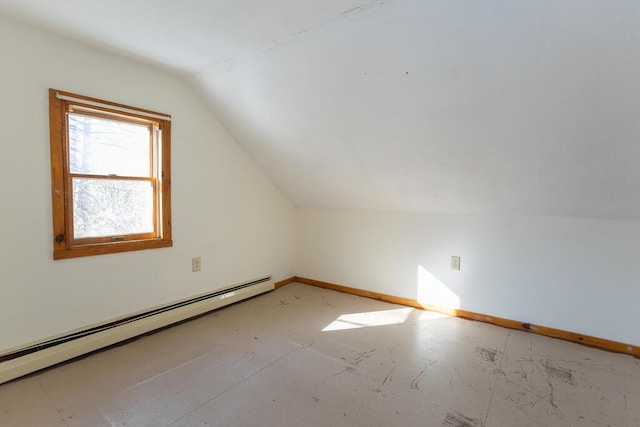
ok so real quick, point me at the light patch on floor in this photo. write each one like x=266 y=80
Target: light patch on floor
x=304 y=356
x=369 y=319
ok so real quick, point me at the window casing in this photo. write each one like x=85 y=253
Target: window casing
x=110 y=168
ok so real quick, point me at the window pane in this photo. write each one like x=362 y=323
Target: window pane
x=110 y=207
x=105 y=147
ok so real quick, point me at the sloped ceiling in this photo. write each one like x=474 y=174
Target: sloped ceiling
x=495 y=106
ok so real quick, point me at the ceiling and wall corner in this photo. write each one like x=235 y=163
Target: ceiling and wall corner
x=405 y=105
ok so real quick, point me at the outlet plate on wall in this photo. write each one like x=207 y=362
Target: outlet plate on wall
x=196 y=264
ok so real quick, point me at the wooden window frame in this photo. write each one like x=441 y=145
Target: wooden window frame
x=64 y=243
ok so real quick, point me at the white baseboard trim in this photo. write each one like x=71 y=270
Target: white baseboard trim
x=32 y=362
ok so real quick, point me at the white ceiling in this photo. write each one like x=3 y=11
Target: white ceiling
x=498 y=106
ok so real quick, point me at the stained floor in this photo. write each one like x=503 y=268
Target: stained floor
x=304 y=356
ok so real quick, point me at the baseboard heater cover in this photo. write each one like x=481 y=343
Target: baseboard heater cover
x=25 y=360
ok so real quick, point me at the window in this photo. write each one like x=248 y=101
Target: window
x=110 y=169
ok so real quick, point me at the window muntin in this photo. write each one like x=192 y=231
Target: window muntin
x=110 y=177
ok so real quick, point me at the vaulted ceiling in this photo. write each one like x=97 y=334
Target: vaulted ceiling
x=496 y=106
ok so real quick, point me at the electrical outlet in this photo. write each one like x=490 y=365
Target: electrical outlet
x=196 y=264
x=455 y=263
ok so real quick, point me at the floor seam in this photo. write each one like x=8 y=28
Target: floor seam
x=493 y=389
x=237 y=384
x=52 y=403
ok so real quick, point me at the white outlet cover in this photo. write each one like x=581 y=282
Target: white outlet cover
x=455 y=263
x=196 y=264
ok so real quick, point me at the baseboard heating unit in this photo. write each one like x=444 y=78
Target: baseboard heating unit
x=33 y=357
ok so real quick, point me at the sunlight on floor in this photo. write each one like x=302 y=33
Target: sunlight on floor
x=368 y=319
x=380 y=318
x=431 y=315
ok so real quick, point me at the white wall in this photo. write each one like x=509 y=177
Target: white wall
x=224 y=208
x=580 y=275
x=575 y=274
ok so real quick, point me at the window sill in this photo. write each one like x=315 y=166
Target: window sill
x=110 y=248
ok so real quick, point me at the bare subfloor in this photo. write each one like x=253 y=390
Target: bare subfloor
x=303 y=356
